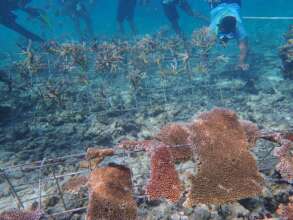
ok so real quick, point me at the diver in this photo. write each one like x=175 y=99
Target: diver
x=8 y=17
x=170 y=10
x=226 y=24
x=77 y=11
x=126 y=11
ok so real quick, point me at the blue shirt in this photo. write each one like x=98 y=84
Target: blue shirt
x=223 y=10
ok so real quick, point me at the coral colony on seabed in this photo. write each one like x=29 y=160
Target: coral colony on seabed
x=157 y=126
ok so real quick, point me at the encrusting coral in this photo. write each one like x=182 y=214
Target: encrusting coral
x=110 y=194
x=16 y=214
x=226 y=170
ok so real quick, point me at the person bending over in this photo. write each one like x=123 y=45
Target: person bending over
x=226 y=24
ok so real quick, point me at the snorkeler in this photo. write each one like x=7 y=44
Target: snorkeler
x=170 y=10
x=125 y=11
x=226 y=24
x=77 y=11
x=8 y=18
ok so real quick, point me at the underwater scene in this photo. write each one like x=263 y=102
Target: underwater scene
x=146 y=109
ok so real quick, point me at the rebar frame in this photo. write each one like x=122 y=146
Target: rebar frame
x=162 y=90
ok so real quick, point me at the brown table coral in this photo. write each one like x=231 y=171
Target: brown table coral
x=110 y=194
x=164 y=181
x=227 y=171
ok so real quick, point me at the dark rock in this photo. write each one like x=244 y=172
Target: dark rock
x=282 y=197
x=5 y=113
x=201 y=214
x=51 y=201
x=250 y=203
x=21 y=132
x=270 y=204
x=224 y=211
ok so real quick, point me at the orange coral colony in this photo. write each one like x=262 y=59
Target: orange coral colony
x=164 y=181
x=96 y=156
x=110 y=194
x=174 y=134
x=74 y=184
x=226 y=169
x=177 y=137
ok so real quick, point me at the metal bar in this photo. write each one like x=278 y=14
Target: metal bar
x=59 y=189
x=48 y=160
x=69 y=211
x=267 y=18
x=13 y=191
x=40 y=183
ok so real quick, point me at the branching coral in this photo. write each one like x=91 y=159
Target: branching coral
x=110 y=194
x=203 y=39
x=16 y=214
x=164 y=181
x=227 y=171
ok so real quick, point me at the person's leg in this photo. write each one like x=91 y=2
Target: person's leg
x=185 y=6
x=11 y=24
x=171 y=13
x=130 y=15
x=88 y=23
x=120 y=16
x=76 y=23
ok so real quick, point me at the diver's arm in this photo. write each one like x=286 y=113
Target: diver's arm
x=11 y=24
x=185 y=6
x=244 y=49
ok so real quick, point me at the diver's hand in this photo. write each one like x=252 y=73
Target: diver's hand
x=243 y=66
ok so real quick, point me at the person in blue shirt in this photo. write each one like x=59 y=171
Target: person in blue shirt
x=226 y=24
x=171 y=12
x=8 y=17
